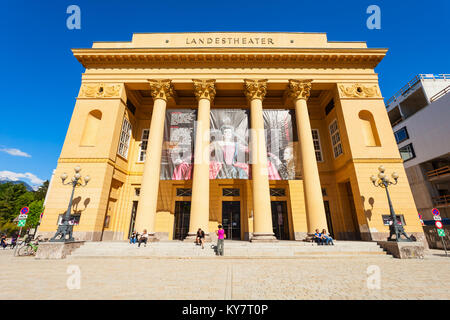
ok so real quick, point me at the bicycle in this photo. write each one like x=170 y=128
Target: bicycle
x=27 y=248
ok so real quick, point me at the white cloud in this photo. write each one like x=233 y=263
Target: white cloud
x=15 y=152
x=14 y=176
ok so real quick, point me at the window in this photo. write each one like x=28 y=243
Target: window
x=125 y=136
x=324 y=192
x=143 y=146
x=277 y=192
x=335 y=139
x=137 y=191
x=401 y=135
x=184 y=192
x=230 y=192
x=329 y=107
x=317 y=147
x=407 y=152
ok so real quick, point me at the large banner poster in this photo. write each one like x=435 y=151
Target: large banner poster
x=280 y=147
x=229 y=151
x=178 y=145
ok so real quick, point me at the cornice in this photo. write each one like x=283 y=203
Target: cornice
x=229 y=56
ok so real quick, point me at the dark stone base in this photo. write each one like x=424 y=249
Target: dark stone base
x=57 y=250
x=263 y=237
x=403 y=250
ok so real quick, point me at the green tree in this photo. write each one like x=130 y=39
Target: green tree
x=36 y=208
x=41 y=191
x=12 y=196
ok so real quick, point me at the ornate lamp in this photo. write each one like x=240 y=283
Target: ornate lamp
x=383 y=181
x=65 y=229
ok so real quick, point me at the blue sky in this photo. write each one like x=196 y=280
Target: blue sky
x=41 y=78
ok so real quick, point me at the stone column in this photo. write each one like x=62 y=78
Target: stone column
x=255 y=90
x=145 y=217
x=204 y=91
x=299 y=91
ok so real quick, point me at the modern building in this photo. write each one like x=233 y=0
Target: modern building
x=420 y=117
x=272 y=135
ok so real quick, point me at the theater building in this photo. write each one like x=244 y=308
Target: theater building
x=272 y=135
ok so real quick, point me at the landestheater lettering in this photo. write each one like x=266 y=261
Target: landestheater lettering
x=230 y=41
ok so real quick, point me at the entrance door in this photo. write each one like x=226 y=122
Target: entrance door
x=280 y=222
x=182 y=216
x=133 y=219
x=326 y=204
x=231 y=219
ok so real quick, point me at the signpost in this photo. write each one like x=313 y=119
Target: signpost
x=439 y=226
x=22 y=218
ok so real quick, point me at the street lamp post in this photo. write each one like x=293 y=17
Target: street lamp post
x=384 y=181
x=65 y=228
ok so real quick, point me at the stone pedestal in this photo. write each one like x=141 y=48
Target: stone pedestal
x=57 y=250
x=403 y=250
x=263 y=237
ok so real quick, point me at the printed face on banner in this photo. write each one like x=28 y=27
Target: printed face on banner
x=280 y=144
x=178 y=146
x=229 y=152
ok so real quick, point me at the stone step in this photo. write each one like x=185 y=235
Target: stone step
x=178 y=249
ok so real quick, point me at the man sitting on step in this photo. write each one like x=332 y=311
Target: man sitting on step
x=318 y=237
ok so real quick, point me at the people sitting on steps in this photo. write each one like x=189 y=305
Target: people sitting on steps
x=326 y=238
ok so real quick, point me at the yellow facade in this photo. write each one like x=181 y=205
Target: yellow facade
x=122 y=72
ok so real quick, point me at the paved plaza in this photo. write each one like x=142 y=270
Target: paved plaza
x=206 y=277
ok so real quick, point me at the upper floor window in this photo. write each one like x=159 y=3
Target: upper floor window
x=401 y=135
x=143 y=146
x=407 y=152
x=124 y=141
x=335 y=139
x=317 y=147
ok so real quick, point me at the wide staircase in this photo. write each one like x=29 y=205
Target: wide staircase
x=233 y=249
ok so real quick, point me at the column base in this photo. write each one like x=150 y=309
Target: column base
x=263 y=237
x=192 y=236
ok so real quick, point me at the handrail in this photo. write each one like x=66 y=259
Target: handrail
x=442 y=200
x=414 y=81
x=439 y=172
x=440 y=94
x=397 y=122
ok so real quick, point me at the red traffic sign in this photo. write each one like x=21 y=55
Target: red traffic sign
x=438 y=224
x=420 y=216
x=24 y=210
x=435 y=212
x=42 y=214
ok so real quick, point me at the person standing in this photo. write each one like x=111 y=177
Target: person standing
x=220 y=240
x=143 y=238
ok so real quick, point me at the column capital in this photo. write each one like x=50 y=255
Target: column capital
x=255 y=89
x=299 y=89
x=204 y=89
x=161 y=89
